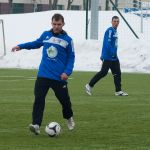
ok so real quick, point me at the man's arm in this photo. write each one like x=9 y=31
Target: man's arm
x=70 y=64
x=29 y=45
x=109 y=38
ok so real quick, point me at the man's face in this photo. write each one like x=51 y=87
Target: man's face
x=115 y=23
x=57 y=25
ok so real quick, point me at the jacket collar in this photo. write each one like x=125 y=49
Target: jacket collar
x=56 y=34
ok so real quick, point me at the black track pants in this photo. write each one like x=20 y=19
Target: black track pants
x=60 y=89
x=115 y=69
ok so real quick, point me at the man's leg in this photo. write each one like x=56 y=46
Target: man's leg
x=40 y=91
x=97 y=77
x=115 y=69
x=61 y=92
x=100 y=74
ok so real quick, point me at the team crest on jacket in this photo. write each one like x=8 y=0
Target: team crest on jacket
x=52 y=52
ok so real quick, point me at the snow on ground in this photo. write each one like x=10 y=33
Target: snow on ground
x=134 y=54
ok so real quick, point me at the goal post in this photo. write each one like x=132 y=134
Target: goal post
x=2 y=39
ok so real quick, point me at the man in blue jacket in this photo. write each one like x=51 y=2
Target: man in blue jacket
x=110 y=60
x=56 y=66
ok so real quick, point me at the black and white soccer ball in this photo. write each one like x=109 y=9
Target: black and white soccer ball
x=53 y=129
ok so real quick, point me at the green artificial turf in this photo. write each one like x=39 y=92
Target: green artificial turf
x=103 y=121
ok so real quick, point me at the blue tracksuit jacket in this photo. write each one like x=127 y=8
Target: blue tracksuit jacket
x=58 y=54
x=110 y=44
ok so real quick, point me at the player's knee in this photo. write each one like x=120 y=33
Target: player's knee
x=118 y=74
x=104 y=73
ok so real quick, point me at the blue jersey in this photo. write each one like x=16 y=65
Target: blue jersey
x=110 y=44
x=57 y=56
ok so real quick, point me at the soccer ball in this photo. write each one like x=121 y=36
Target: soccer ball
x=53 y=129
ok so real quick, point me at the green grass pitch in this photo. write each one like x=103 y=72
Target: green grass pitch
x=103 y=121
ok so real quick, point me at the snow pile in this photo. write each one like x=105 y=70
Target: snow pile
x=134 y=54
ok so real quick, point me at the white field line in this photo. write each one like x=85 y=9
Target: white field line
x=16 y=89
x=15 y=80
x=23 y=78
x=15 y=77
x=14 y=130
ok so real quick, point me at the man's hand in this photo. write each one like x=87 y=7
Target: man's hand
x=16 y=48
x=64 y=76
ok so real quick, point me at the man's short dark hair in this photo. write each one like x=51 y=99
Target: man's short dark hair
x=115 y=17
x=58 y=17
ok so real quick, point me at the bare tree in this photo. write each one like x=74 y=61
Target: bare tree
x=69 y=4
x=35 y=5
x=135 y=3
x=54 y=5
x=10 y=6
x=107 y=5
x=85 y=3
x=116 y=3
x=140 y=4
x=50 y=4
